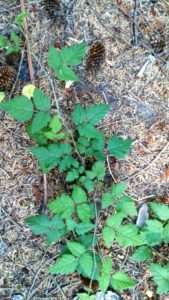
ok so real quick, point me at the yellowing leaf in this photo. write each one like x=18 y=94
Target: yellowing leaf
x=28 y=90
x=2 y=96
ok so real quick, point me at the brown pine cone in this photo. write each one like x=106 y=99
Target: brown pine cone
x=96 y=56
x=7 y=77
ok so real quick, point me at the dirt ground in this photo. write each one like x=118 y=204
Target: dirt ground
x=134 y=79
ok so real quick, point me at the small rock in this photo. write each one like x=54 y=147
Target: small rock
x=107 y=296
x=3 y=248
x=17 y=297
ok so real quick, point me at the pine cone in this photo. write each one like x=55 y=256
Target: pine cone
x=96 y=56
x=7 y=77
x=157 y=43
x=53 y=8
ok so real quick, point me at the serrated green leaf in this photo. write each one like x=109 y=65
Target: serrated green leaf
x=40 y=120
x=66 y=264
x=62 y=206
x=119 y=147
x=153 y=232
x=88 y=240
x=66 y=73
x=41 y=101
x=20 y=108
x=87 y=183
x=72 y=175
x=78 y=115
x=166 y=233
x=84 y=296
x=70 y=224
x=76 y=248
x=73 y=55
x=118 y=190
x=160 y=210
x=161 y=277
x=107 y=200
x=108 y=236
x=127 y=205
x=127 y=235
x=115 y=220
x=84 y=212
x=54 y=59
x=95 y=113
x=104 y=279
x=83 y=228
x=121 y=281
x=55 y=124
x=79 y=195
x=142 y=253
x=88 y=265
x=99 y=170
x=53 y=228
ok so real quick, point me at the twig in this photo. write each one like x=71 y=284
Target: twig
x=30 y=65
x=134 y=27
x=45 y=190
x=31 y=72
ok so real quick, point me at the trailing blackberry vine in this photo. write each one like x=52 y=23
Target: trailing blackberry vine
x=74 y=217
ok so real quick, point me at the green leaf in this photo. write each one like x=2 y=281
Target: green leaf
x=79 y=195
x=160 y=210
x=161 y=277
x=87 y=183
x=20 y=18
x=66 y=264
x=127 y=206
x=76 y=248
x=99 y=170
x=41 y=101
x=88 y=131
x=108 y=236
x=88 y=266
x=3 y=41
x=70 y=224
x=54 y=59
x=127 y=235
x=88 y=240
x=119 y=147
x=40 y=120
x=142 y=253
x=115 y=220
x=84 y=212
x=55 y=124
x=153 y=233
x=62 y=206
x=53 y=228
x=49 y=157
x=105 y=276
x=72 y=175
x=166 y=233
x=84 y=296
x=20 y=108
x=107 y=200
x=78 y=115
x=73 y=55
x=118 y=190
x=95 y=113
x=121 y=281
x=83 y=228
x=66 y=73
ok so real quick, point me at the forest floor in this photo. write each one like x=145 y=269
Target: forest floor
x=134 y=79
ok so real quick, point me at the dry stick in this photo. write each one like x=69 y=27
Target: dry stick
x=134 y=27
x=31 y=72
